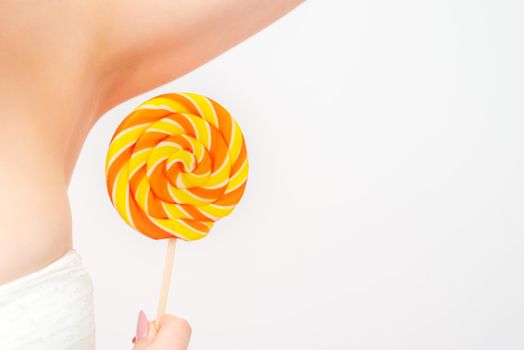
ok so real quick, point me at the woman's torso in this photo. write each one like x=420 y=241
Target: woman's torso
x=62 y=65
x=48 y=95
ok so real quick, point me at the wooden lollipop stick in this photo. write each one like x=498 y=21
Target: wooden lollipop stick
x=166 y=280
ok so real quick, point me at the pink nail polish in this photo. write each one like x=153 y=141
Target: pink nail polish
x=142 y=326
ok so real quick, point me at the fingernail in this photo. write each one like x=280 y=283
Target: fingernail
x=142 y=326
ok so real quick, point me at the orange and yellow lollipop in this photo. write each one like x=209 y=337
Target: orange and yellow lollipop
x=175 y=165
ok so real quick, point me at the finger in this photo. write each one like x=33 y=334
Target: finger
x=173 y=332
x=152 y=330
x=146 y=332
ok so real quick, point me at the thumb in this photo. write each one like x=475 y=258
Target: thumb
x=145 y=332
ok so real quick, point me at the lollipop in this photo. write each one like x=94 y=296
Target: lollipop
x=175 y=165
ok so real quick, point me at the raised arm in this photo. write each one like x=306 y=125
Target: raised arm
x=144 y=44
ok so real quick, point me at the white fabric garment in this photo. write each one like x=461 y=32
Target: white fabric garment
x=51 y=308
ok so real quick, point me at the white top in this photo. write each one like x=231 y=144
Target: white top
x=49 y=309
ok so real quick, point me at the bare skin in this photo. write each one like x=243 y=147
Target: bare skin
x=173 y=333
x=63 y=64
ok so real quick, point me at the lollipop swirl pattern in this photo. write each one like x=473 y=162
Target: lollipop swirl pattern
x=175 y=165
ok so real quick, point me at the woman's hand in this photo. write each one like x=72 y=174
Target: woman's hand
x=173 y=333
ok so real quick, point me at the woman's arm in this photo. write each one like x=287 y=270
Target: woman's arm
x=144 y=44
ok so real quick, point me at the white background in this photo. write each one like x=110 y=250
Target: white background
x=385 y=201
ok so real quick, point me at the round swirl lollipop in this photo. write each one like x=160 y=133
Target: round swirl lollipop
x=175 y=165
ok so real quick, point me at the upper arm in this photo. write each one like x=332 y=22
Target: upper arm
x=149 y=43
